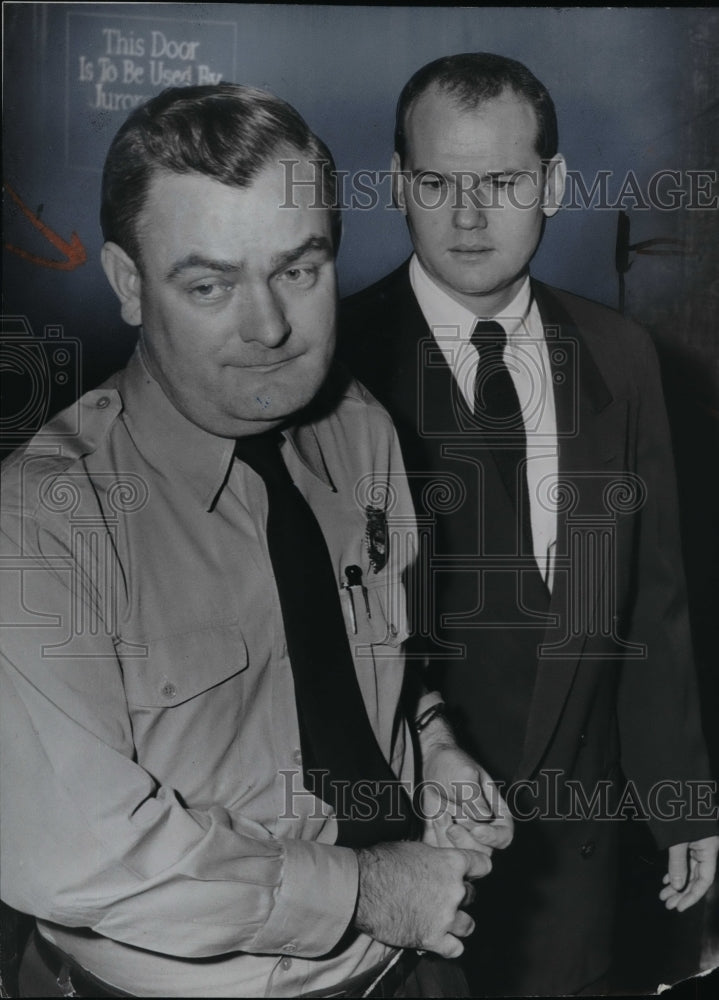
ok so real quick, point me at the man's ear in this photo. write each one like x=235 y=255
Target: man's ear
x=398 y=184
x=554 y=181
x=125 y=280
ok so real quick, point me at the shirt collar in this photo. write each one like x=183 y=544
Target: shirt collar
x=176 y=446
x=441 y=310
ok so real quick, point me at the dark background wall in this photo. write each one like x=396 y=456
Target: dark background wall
x=637 y=92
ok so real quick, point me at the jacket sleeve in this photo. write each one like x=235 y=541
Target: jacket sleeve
x=91 y=839
x=663 y=750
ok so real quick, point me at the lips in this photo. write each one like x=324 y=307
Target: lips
x=471 y=255
x=265 y=366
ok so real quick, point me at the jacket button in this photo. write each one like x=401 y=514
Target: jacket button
x=286 y=963
x=168 y=690
x=587 y=849
x=582 y=739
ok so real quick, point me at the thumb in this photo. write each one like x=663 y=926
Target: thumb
x=432 y=804
x=678 y=866
x=478 y=864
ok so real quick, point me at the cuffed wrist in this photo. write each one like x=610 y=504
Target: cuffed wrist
x=315 y=900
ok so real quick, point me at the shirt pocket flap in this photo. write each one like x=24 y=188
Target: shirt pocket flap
x=172 y=669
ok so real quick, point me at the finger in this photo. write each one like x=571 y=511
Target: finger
x=478 y=864
x=439 y=833
x=691 y=894
x=477 y=810
x=496 y=834
x=437 y=820
x=448 y=947
x=694 y=892
x=463 y=837
x=470 y=894
x=504 y=834
x=677 y=868
x=433 y=804
x=429 y=835
x=462 y=925
x=489 y=798
x=494 y=799
x=477 y=807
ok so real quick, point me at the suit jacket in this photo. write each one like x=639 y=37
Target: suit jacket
x=555 y=695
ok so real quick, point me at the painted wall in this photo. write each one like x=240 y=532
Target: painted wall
x=629 y=86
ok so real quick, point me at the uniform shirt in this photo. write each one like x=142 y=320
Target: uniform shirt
x=527 y=359
x=150 y=739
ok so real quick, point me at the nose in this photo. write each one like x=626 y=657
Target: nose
x=470 y=215
x=470 y=209
x=263 y=318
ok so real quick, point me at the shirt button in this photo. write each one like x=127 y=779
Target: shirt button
x=582 y=739
x=297 y=756
x=102 y=402
x=587 y=849
x=168 y=690
x=286 y=963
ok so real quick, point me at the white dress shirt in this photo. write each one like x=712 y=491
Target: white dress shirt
x=527 y=358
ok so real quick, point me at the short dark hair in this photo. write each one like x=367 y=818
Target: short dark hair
x=475 y=77
x=226 y=131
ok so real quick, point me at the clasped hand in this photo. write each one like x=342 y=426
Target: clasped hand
x=414 y=895
x=461 y=804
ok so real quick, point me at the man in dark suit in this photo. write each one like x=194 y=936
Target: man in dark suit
x=548 y=599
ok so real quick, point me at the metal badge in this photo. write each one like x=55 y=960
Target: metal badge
x=377 y=537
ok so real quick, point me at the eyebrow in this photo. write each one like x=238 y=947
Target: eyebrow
x=317 y=243
x=206 y=263
x=449 y=175
x=278 y=261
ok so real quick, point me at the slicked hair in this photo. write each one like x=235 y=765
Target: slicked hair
x=473 y=78
x=227 y=132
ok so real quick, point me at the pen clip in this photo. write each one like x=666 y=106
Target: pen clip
x=354 y=580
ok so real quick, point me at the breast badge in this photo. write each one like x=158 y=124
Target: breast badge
x=377 y=537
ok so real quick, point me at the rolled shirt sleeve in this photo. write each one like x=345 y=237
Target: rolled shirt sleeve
x=91 y=838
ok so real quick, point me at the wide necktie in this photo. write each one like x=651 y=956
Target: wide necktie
x=342 y=761
x=498 y=414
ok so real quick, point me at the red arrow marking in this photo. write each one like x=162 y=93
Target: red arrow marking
x=74 y=251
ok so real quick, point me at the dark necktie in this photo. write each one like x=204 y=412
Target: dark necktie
x=498 y=414
x=342 y=761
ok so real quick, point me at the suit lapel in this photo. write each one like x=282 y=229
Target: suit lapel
x=590 y=431
x=441 y=412
x=444 y=430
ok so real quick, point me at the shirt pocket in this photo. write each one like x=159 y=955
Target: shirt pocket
x=171 y=670
x=376 y=615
